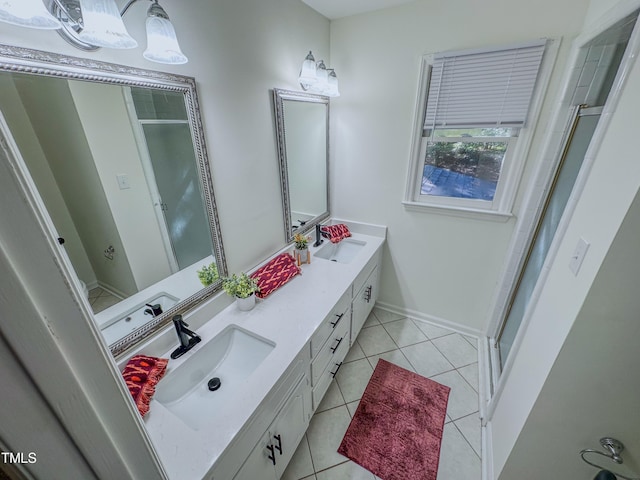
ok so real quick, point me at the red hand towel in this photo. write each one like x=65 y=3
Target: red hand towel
x=335 y=233
x=141 y=375
x=274 y=274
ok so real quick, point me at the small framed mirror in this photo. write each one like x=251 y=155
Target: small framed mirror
x=118 y=158
x=302 y=129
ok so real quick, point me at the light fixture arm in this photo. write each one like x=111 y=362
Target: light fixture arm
x=131 y=2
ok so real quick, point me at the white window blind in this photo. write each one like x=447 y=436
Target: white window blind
x=483 y=88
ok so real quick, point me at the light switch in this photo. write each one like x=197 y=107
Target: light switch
x=123 y=181
x=578 y=255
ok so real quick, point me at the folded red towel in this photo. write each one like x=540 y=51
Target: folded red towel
x=141 y=375
x=335 y=233
x=274 y=274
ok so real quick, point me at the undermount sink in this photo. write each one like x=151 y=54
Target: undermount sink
x=231 y=356
x=341 y=252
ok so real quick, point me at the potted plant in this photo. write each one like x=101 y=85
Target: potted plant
x=243 y=288
x=208 y=274
x=301 y=248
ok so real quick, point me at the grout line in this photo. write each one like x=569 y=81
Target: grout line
x=465 y=438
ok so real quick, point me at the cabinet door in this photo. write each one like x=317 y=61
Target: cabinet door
x=288 y=429
x=258 y=464
x=363 y=303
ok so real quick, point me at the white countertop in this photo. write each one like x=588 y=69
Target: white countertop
x=288 y=317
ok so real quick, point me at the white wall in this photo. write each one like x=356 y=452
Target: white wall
x=436 y=265
x=71 y=161
x=612 y=184
x=591 y=390
x=20 y=124
x=102 y=109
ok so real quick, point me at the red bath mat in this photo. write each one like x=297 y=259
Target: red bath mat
x=397 y=428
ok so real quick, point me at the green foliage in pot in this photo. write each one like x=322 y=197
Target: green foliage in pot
x=208 y=274
x=241 y=286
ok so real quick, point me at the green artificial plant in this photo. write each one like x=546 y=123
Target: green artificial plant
x=241 y=286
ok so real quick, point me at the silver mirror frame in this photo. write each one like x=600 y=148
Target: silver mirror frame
x=23 y=60
x=279 y=96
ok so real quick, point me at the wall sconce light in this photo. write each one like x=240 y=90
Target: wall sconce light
x=91 y=24
x=317 y=78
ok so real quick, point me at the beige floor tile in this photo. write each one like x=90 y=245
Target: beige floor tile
x=352 y=407
x=325 y=433
x=432 y=331
x=346 y=471
x=404 y=332
x=371 y=321
x=470 y=374
x=384 y=316
x=352 y=379
x=457 y=350
x=394 y=356
x=471 y=429
x=463 y=400
x=333 y=398
x=458 y=461
x=300 y=465
x=426 y=359
x=375 y=340
x=355 y=353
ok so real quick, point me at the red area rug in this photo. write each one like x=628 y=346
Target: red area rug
x=397 y=429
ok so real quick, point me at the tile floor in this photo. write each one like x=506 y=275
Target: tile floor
x=101 y=299
x=442 y=355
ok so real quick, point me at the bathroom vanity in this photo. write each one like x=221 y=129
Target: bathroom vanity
x=279 y=360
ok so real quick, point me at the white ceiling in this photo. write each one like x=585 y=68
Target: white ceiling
x=333 y=9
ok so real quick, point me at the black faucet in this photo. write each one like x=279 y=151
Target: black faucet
x=188 y=339
x=153 y=310
x=318 y=235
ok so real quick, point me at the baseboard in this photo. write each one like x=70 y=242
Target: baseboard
x=112 y=290
x=487 y=453
x=432 y=319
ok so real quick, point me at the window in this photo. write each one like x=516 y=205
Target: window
x=474 y=111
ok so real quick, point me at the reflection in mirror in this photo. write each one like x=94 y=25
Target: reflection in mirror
x=302 y=127
x=120 y=165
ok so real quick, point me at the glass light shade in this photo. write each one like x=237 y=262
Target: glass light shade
x=162 y=44
x=27 y=13
x=332 y=84
x=308 y=72
x=323 y=78
x=103 y=26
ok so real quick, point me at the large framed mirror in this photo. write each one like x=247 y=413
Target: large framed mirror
x=118 y=157
x=302 y=130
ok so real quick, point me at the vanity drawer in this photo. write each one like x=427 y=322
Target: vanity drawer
x=331 y=347
x=329 y=373
x=339 y=315
x=366 y=271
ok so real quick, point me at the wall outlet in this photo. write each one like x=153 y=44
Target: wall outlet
x=123 y=181
x=578 y=255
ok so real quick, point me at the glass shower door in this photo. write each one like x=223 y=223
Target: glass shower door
x=179 y=187
x=565 y=178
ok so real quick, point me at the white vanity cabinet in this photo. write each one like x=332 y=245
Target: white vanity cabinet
x=273 y=433
x=271 y=455
x=365 y=290
x=329 y=345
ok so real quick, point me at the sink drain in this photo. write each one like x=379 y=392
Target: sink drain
x=214 y=384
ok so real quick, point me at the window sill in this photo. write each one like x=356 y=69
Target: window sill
x=464 y=212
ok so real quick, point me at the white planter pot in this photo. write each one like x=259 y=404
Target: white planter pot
x=303 y=255
x=246 y=304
